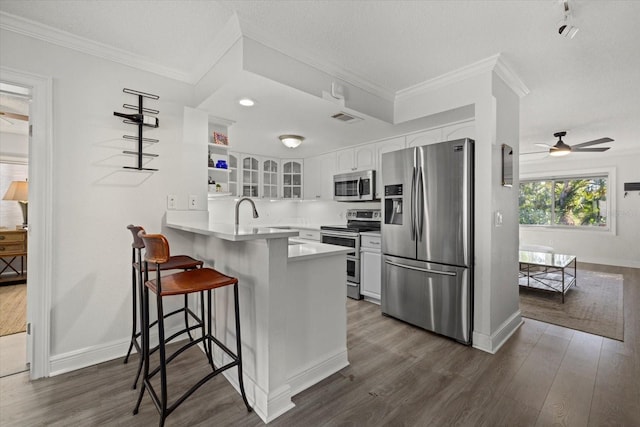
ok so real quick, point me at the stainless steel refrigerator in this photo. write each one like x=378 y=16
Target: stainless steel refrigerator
x=427 y=237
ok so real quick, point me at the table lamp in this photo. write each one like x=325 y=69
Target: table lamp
x=19 y=191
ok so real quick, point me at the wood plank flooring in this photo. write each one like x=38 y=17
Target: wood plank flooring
x=399 y=375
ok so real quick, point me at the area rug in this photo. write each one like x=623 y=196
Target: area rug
x=13 y=309
x=595 y=305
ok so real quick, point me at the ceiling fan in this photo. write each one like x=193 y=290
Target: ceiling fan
x=562 y=149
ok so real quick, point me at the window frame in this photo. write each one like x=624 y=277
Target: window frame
x=608 y=173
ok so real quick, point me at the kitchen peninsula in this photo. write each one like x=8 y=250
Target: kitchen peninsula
x=292 y=306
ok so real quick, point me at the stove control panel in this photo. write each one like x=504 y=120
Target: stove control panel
x=364 y=214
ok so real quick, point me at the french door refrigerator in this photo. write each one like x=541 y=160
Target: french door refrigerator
x=427 y=237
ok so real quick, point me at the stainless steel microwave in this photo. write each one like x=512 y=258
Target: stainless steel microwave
x=354 y=186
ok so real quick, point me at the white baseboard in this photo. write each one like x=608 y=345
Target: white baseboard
x=89 y=356
x=491 y=344
x=316 y=372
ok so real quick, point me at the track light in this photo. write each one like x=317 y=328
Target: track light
x=565 y=28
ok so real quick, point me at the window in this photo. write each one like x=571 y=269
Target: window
x=564 y=202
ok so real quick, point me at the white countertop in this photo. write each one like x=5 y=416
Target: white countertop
x=307 y=249
x=230 y=231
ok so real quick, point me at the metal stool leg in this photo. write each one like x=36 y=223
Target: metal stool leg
x=239 y=347
x=145 y=346
x=135 y=308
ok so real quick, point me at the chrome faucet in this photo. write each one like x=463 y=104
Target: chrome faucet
x=255 y=211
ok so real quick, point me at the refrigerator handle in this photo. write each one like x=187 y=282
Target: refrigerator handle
x=424 y=270
x=413 y=204
x=421 y=200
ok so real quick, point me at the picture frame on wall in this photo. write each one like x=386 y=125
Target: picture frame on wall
x=220 y=139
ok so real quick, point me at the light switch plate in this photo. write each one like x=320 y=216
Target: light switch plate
x=498 y=219
x=193 y=202
x=171 y=202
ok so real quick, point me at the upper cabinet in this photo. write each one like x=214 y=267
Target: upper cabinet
x=292 y=179
x=356 y=159
x=459 y=131
x=382 y=147
x=270 y=178
x=426 y=137
x=318 y=176
x=234 y=174
x=250 y=175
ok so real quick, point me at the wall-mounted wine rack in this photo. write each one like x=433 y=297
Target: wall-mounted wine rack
x=140 y=119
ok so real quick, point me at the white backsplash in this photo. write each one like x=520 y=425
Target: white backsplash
x=310 y=213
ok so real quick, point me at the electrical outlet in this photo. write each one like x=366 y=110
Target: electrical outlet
x=193 y=201
x=171 y=202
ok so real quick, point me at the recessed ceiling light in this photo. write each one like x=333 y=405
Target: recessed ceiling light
x=246 y=102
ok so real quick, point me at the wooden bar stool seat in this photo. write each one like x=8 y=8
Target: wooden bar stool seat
x=202 y=281
x=177 y=262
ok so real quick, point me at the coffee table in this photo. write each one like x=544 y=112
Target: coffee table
x=547 y=271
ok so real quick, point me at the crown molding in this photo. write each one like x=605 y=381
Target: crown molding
x=303 y=56
x=492 y=63
x=506 y=73
x=52 y=35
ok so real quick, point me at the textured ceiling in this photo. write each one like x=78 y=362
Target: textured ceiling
x=587 y=85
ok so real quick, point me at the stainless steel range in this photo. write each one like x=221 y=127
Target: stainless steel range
x=358 y=220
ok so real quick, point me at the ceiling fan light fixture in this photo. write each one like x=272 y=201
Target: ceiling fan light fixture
x=560 y=149
x=291 y=141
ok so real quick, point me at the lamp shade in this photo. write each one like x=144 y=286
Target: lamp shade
x=18 y=190
x=291 y=141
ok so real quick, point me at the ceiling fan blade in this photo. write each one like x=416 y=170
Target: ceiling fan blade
x=15 y=116
x=590 y=150
x=540 y=144
x=594 y=142
x=534 y=152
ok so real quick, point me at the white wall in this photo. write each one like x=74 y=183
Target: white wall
x=621 y=248
x=94 y=198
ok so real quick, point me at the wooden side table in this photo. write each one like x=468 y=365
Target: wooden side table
x=13 y=244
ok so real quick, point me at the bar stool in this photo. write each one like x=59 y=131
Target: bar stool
x=201 y=280
x=178 y=262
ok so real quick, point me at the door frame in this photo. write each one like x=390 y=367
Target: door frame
x=40 y=234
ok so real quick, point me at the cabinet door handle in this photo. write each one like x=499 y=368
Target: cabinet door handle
x=2 y=237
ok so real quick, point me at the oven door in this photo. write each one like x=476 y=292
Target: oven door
x=347 y=240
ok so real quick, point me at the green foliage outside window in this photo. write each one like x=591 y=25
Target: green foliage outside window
x=568 y=202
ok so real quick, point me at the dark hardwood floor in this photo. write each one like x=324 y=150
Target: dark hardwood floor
x=399 y=375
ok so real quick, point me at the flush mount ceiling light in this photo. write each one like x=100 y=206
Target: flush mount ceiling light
x=246 y=102
x=291 y=141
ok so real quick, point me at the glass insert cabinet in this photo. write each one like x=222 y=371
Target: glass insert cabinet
x=264 y=177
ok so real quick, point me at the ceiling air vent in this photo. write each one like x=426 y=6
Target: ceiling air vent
x=346 y=118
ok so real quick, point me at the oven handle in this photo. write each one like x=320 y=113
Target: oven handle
x=424 y=270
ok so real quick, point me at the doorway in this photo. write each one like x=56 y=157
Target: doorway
x=15 y=103
x=40 y=216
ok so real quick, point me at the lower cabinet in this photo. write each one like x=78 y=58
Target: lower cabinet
x=370 y=267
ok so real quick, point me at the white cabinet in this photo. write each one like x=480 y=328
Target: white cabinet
x=292 y=179
x=426 y=137
x=382 y=147
x=270 y=178
x=250 y=175
x=370 y=266
x=309 y=234
x=459 y=131
x=234 y=173
x=356 y=159
x=318 y=176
